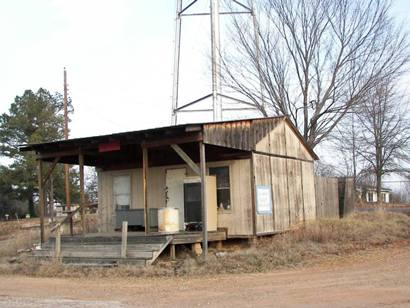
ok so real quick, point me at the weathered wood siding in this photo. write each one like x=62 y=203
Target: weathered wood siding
x=346 y=196
x=296 y=208
x=274 y=140
x=262 y=170
x=270 y=135
x=281 y=140
x=308 y=185
x=238 y=220
x=280 y=193
x=327 y=197
x=293 y=192
x=294 y=147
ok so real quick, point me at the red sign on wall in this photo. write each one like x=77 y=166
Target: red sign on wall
x=109 y=147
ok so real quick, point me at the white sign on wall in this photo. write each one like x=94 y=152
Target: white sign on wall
x=263 y=199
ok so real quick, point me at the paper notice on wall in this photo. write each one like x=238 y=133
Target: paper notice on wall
x=263 y=199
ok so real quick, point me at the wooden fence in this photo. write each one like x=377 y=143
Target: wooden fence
x=334 y=197
x=327 y=197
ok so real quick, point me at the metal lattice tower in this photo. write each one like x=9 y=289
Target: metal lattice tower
x=216 y=93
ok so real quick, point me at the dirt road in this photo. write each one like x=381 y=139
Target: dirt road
x=377 y=278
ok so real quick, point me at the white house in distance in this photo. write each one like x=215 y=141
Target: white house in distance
x=369 y=194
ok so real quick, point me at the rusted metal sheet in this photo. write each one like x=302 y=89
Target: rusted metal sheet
x=243 y=135
x=229 y=134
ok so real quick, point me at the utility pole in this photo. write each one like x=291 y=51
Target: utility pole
x=66 y=166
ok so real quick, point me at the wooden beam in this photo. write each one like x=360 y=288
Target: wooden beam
x=145 y=187
x=203 y=200
x=174 y=140
x=51 y=200
x=172 y=253
x=58 y=154
x=57 y=247
x=181 y=153
x=67 y=187
x=50 y=170
x=124 y=237
x=82 y=190
x=66 y=153
x=41 y=199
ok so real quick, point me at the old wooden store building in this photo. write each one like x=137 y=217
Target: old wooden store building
x=232 y=179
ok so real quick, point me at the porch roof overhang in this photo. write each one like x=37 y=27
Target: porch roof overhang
x=124 y=150
x=225 y=140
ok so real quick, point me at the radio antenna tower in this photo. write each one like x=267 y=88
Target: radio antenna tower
x=216 y=92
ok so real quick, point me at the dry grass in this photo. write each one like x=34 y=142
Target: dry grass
x=7 y=228
x=22 y=239
x=307 y=244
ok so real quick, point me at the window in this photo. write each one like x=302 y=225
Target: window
x=370 y=197
x=223 y=190
x=385 y=197
x=122 y=192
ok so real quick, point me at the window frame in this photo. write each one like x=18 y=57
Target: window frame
x=229 y=166
x=120 y=174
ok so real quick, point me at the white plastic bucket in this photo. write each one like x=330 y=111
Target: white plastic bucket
x=168 y=220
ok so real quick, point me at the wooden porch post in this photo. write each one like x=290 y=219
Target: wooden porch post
x=145 y=187
x=82 y=194
x=203 y=200
x=51 y=199
x=41 y=199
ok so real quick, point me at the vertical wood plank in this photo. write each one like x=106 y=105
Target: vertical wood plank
x=51 y=201
x=58 y=245
x=264 y=222
x=308 y=183
x=253 y=192
x=172 y=253
x=41 y=198
x=280 y=193
x=82 y=192
x=327 y=197
x=145 y=187
x=124 y=237
x=203 y=199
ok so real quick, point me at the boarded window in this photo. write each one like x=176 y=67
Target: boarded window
x=122 y=192
x=223 y=187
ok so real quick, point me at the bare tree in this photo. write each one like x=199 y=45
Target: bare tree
x=383 y=133
x=315 y=59
x=344 y=142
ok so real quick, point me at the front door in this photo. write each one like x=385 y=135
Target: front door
x=174 y=182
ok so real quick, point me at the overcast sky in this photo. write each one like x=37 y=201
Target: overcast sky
x=118 y=53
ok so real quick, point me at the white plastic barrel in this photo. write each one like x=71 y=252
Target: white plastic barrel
x=168 y=219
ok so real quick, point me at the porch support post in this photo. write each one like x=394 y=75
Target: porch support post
x=41 y=199
x=203 y=200
x=82 y=194
x=145 y=187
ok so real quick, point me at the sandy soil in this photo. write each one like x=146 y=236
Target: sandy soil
x=374 y=278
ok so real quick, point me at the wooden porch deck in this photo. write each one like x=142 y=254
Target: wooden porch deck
x=107 y=248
